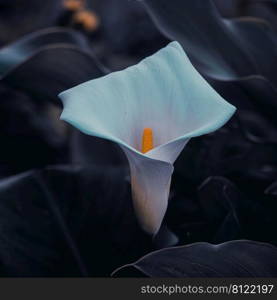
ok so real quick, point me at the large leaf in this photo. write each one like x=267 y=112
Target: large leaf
x=221 y=49
x=19 y=51
x=232 y=259
x=47 y=62
x=139 y=38
x=29 y=135
x=67 y=221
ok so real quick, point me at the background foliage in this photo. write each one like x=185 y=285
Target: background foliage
x=65 y=202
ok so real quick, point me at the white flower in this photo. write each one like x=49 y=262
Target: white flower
x=163 y=96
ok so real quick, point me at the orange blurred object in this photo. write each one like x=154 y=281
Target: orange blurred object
x=74 y=5
x=87 y=18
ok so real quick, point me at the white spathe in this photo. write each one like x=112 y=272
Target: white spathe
x=163 y=92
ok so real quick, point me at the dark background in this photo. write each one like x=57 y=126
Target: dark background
x=65 y=202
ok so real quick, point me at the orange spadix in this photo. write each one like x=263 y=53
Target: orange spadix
x=147 y=140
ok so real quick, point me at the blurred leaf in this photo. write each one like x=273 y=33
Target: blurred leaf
x=140 y=38
x=18 y=52
x=47 y=62
x=257 y=128
x=253 y=93
x=232 y=259
x=243 y=151
x=228 y=8
x=212 y=212
x=220 y=202
x=265 y=9
x=272 y=189
x=63 y=221
x=221 y=49
x=29 y=137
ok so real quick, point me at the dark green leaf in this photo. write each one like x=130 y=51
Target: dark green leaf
x=48 y=62
x=67 y=221
x=232 y=259
x=221 y=49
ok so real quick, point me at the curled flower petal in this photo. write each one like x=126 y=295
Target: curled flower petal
x=150 y=180
x=164 y=92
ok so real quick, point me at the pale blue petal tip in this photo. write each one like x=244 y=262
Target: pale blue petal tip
x=176 y=45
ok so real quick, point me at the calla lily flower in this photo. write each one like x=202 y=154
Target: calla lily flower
x=151 y=110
